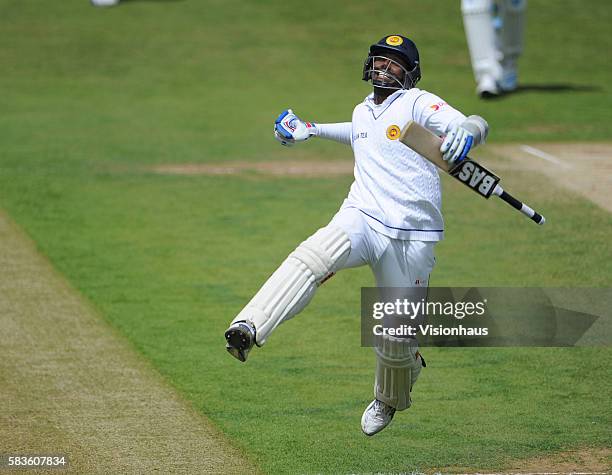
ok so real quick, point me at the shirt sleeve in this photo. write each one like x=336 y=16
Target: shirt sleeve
x=435 y=114
x=340 y=132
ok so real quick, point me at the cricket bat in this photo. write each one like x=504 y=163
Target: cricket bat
x=472 y=174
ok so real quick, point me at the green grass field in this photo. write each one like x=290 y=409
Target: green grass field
x=92 y=98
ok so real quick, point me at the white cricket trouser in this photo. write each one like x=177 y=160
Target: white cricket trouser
x=395 y=263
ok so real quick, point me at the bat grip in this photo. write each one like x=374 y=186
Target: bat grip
x=522 y=207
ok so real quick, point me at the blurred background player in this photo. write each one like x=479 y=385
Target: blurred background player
x=494 y=31
x=391 y=219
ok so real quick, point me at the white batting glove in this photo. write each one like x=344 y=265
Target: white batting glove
x=457 y=144
x=289 y=128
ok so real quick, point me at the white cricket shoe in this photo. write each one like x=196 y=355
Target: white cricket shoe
x=376 y=417
x=509 y=79
x=104 y=3
x=487 y=87
x=240 y=338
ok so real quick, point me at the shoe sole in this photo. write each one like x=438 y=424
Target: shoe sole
x=238 y=343
x=489 y=95
x=378 y=430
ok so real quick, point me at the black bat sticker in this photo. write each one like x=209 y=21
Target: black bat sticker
x=476 y=177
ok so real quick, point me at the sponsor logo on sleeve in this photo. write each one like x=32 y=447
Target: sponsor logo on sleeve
x=438 y=106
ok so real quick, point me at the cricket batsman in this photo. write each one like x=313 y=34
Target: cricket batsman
x=391 y=219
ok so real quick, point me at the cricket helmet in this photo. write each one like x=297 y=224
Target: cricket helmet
x=399 y=50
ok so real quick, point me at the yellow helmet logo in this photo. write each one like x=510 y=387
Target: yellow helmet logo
x=394 y=40
x=393 y=132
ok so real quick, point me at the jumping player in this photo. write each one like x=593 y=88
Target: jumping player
x=391 y=219
x=494 y=31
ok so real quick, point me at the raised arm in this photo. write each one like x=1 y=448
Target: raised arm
x=289 y=129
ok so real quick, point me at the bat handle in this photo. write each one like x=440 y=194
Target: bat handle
x=522 y=207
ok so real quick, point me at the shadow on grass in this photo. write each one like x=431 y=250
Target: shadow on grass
x=553 y=88
x=556 y=88
x=151 y=1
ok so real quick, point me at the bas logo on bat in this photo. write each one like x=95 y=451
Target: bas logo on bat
x=477 y=177
x=471 y=174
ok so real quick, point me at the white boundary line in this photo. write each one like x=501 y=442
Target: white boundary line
x=543 y=155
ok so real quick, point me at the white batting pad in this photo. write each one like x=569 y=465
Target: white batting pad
x=512 y=14
x=481 y=38
x=397 y=369
x=293 y=284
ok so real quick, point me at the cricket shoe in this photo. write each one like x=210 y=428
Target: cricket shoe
x=487 y=87
x=509 y=79
x=376 y=417
x=104 y=3
x=240 y=337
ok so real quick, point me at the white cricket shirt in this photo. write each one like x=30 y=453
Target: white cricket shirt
x=396 y=188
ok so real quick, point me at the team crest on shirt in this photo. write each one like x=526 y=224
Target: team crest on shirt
x=393 y=132
x=394 y=40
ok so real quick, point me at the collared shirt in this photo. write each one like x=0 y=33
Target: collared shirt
x=396 y=188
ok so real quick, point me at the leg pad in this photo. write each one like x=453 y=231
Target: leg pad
x=398 y=366
x=293 y=284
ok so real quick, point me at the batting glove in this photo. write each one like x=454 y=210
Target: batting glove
x=289 y=128
x=456 y=145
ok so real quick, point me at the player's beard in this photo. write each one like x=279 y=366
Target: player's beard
x=381 y=93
